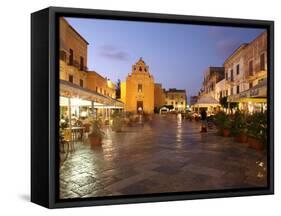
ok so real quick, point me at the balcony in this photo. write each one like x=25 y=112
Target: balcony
x=230 y=81
x=257 y=75
x=258 y=91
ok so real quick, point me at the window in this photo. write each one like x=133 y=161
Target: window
x=262 y=61
x=250 y=85
x=231 y=91
x=81 y=82
x=220 y=94
x=104 y=92
x=226 y=92
x=176 y=103
x=237 y=89
x=139 y=87
x=251 y=68
x=226 y=76
x=181 y=103
x=231 y=75
x=237 y=69
x=81 y=63
x=140 y=68
x=70 y=78
x=96 y=89
x=70 y=56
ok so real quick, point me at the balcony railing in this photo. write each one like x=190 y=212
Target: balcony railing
x=63 y=55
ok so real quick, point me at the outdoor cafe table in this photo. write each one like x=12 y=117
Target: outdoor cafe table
x=75 y=131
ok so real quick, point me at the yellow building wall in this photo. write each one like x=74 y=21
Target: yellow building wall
x=159 y=95
x=123 y=92
x=67 y=70
x=146 y=96
x=177 y=99
x=71 y=39
x=96 y=82
x=130 y=94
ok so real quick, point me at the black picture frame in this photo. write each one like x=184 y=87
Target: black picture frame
x=44 y=105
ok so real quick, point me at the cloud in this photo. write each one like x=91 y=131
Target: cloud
x=226 y=47
x=113 y=53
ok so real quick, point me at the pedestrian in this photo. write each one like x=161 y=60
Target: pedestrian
x=203 y=121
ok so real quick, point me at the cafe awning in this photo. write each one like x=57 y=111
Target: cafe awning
x=206 y=101
x=86 y=96
x=256 y=94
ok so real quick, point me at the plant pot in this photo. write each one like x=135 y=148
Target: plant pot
x=226 y=132
x=94 y=141
x=255 y=143
x=241 y=138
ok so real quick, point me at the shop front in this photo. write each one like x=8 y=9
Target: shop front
x=252 y=100
x=80 y=104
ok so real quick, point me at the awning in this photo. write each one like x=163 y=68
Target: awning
x=253 y=100
x=85 y=96
x=257 y=93
x=206 y=101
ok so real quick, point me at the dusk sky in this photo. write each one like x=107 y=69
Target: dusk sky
x=177 y=54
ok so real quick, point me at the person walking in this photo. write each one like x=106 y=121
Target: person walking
x=203 y=121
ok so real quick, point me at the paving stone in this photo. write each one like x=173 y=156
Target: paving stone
x=160 y=157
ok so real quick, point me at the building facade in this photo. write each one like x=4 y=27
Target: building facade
x=140 y=93
x=177 y=98
x=246 y=75
x=159 y=96
x=73 y=55
x=242 y=79
x=82 y=91
x=211 y=77
x=137 y=92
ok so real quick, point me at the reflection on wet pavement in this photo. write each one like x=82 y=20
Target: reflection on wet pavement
x=166 y=155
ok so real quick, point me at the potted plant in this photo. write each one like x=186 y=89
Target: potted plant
x=238 y=127
x=223 y=123
x=257 y=130
x=117 y=122
x=96 y=135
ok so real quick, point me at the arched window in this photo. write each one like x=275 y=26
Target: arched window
x=140 y=68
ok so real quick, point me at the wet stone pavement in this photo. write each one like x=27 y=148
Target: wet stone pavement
x=166 y=155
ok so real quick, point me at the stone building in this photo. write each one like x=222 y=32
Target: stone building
x=193 y=100
x=177 y=98
x=221 y=90
x=73 y=55
x=137 y=92
x=246 y=75
x=235 y=80
x=159 y=96
x=82 y=91
x=211 y=77
x=101 y=84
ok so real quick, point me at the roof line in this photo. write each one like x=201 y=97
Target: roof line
x=79 y=35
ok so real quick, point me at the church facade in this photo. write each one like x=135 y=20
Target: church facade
x=137 y=92
x=140 y=93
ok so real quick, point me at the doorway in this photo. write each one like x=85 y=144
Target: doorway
x=139 y=106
